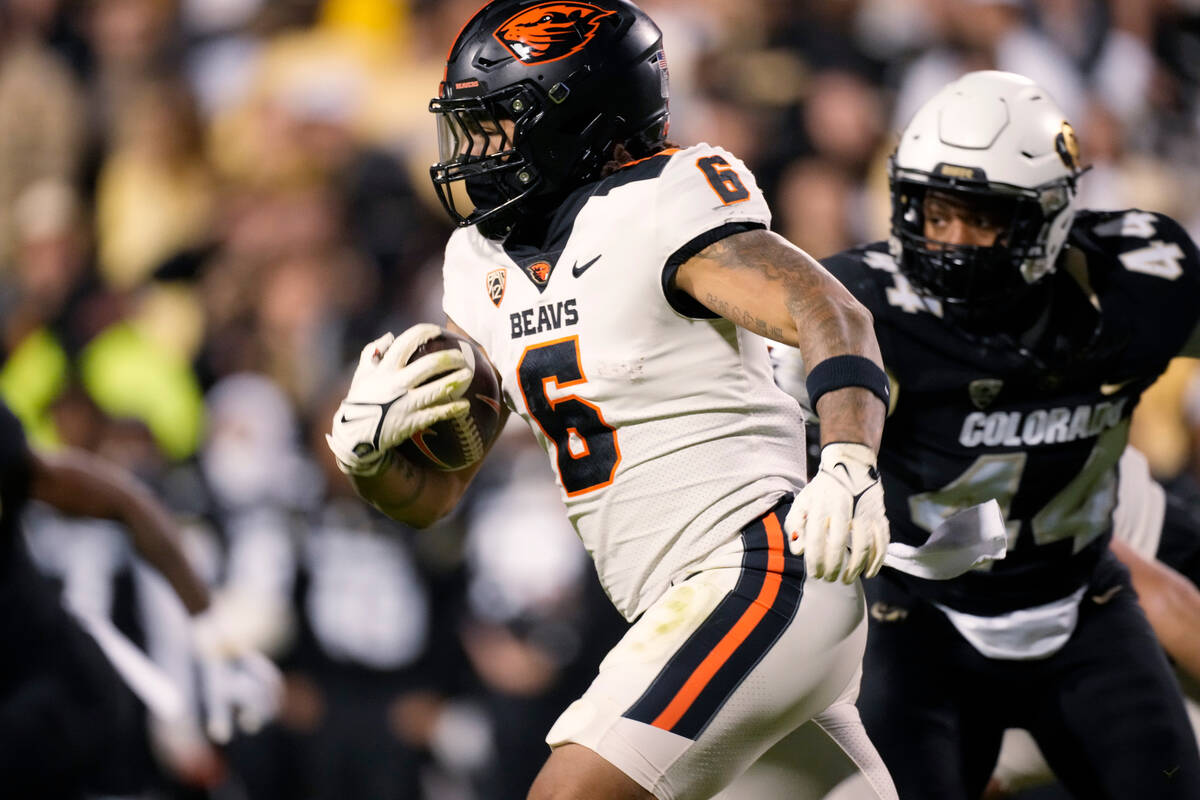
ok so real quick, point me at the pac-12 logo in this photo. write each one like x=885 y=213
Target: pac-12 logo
x=497 y=279
x=550 y=31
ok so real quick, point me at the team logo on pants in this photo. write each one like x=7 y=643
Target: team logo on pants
x=497 y=279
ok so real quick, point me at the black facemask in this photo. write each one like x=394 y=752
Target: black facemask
x=484 y=191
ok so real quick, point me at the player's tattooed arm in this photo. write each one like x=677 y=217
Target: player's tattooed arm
x=764 y=283
x=415 y=495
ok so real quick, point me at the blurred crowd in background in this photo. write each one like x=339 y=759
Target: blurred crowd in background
x=208 y=206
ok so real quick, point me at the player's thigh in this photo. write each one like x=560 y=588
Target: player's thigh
x=829 y=756
x=1114 y=725
x=714 y=673
x=574 y=771
x=927 y=699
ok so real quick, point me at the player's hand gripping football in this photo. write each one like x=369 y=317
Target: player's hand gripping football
x=390 y=400
x=837 y=521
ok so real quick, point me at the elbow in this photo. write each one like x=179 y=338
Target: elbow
x=419 y=521
x=853 y=324
x=859 y=319
x=418 y=515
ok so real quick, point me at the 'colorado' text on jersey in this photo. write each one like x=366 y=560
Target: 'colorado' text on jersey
x=663 y=424
x=975 y=420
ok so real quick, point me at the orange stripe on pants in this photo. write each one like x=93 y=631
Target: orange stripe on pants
x=730 y=642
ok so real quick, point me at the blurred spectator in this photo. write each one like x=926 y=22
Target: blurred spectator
x=41 y=113
x=815 y=203
x=154 y=193
x=129 y=40
x=52 y=305
x=222 y=52
x=988 y=34
x=281 y=287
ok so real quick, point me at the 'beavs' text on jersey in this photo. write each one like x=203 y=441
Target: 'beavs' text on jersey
x=663 y=424
x=532 y=321
x=975 y=420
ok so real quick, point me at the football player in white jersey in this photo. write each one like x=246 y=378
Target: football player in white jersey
x=618 y=284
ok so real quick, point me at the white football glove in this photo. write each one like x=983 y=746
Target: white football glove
x=389 y=400
x=837 y=521
x=240 y=685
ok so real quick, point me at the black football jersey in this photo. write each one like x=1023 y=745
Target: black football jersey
x=1039 y=427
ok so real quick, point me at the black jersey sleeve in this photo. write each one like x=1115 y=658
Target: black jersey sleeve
x=853 y=268
x=874 y=278
x=1146 y=270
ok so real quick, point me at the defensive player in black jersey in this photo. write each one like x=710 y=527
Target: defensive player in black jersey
x=68 y=723
x=1156 y=534
x=1019 y=334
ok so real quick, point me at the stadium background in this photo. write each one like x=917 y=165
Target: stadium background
x=207 y=206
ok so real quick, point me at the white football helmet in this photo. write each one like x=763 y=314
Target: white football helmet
x=995 y=138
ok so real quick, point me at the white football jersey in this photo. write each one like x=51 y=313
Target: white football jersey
x=663 y=425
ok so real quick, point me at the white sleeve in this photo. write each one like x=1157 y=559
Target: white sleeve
x=704 y=194
x=1141 y=505
x=701 y=191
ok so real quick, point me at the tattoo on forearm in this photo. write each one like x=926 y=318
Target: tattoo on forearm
x=742 y=317
x=411 y=473
x=813 y=298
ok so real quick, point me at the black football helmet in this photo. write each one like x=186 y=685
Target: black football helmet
x=535 y=96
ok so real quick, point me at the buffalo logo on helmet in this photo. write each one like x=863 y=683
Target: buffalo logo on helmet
x=1067 y=145
x=497 y=279
x=550 y=31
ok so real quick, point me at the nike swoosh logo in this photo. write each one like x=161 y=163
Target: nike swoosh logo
x=370 y=413
x=1112 y=388
x=1101 y=599
x=578 y=269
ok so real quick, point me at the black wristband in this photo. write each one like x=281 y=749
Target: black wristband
x=839 y=372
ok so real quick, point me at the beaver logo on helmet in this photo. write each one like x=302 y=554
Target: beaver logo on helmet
x=550 y=31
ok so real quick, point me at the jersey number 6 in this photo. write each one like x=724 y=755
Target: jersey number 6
x=723 y=179
x=588 y=454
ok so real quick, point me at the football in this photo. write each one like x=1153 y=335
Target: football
x=459 y=443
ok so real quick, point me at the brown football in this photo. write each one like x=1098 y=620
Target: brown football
x=458 y=443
